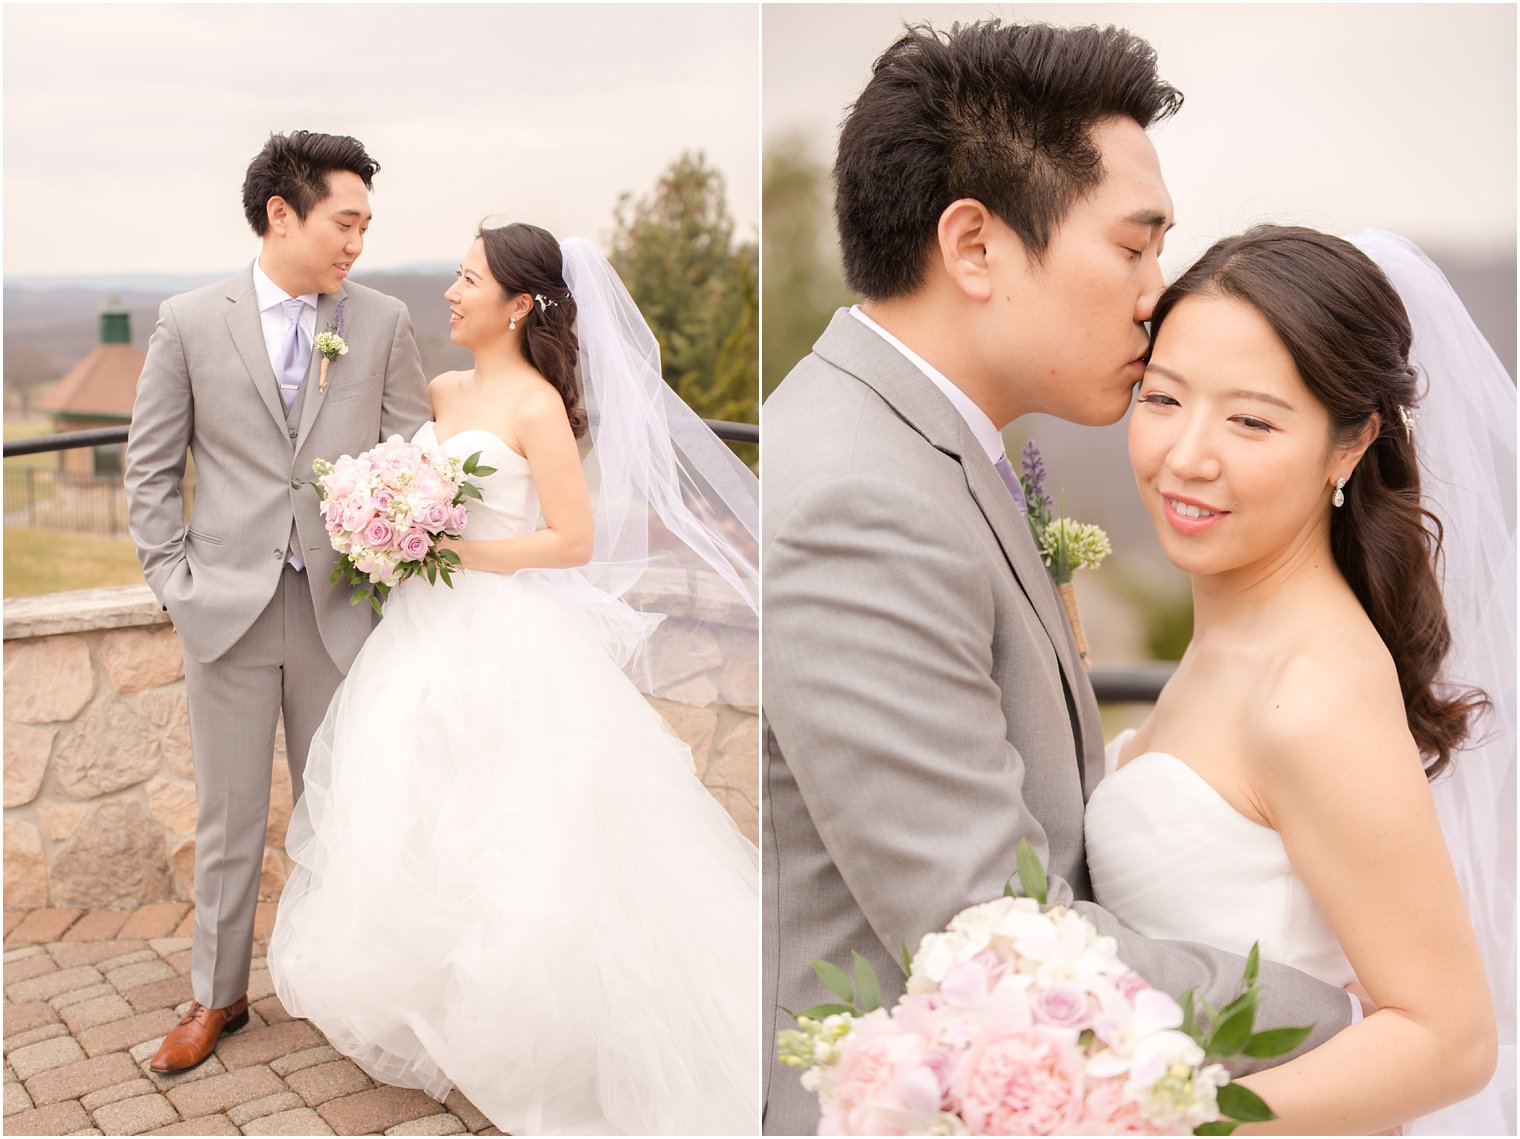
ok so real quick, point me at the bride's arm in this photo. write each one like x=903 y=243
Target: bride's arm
x=543 y=432
x=1340 y=778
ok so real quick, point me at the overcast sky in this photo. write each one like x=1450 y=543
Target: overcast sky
x=128 y=127
x=1335 y=116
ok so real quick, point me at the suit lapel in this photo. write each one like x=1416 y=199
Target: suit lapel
x=327 y=307
x=850 y=345
x=246 y=327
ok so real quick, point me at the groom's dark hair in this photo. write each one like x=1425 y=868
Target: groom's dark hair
x=1001 y=113
x=295 y=166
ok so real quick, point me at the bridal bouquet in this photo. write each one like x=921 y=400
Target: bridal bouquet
x=1020 y=1020
x=386 y=510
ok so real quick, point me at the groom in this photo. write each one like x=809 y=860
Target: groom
x=1001 y=209
x=231 y=377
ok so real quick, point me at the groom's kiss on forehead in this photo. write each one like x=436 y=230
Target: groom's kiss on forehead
x=1035 y=233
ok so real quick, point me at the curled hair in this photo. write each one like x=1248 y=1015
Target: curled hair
x=999 y=113
x=1346 y=329
x=526 y=259
x=295 y=167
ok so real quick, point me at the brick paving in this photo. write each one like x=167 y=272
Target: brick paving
x=88 y=998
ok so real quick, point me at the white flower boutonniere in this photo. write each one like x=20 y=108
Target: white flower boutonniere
x=331 y=345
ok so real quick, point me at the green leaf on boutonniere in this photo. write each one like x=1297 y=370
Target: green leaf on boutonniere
x=1276 y=1041
x=834 y=980
x=1031 y=872
x=1241 y=1103
x=866 y=983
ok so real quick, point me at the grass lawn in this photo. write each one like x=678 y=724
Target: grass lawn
x=49 y=561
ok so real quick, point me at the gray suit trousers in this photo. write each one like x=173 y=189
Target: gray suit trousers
x=278 y=665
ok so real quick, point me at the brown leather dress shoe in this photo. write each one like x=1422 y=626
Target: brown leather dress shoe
x=192 y=1040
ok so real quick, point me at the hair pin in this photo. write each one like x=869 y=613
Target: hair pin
x=543 y=302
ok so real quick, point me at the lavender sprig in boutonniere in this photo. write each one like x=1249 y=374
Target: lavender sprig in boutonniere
x=329 y=342
x=1065 y=544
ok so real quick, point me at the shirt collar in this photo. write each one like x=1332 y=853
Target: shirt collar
x=269 y=295
x=982 y=427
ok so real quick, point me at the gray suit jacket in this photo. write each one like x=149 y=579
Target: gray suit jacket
x=924 y=706
x=207 y=388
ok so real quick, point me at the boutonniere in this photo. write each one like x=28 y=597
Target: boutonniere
x=1065 y=544
x=329 y=342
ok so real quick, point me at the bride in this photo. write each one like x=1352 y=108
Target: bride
x=1291 y=784
x=508 y=878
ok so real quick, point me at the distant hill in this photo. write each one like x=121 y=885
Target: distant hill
x=52 y=322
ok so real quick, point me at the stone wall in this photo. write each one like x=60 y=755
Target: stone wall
x=99 y=782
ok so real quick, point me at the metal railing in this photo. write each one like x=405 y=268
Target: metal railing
x=106 y=436
x=1130 y=683
x=1113 y=684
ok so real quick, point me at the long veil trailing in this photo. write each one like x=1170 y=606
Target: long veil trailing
x=1465 y=438
x=676 y=513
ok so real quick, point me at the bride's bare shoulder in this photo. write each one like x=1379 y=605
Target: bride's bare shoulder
x=1330 y=717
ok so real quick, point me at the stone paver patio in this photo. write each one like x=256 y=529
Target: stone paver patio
x=88 y=997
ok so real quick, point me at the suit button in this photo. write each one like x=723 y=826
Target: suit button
x=296 y=483
x=279 y=555
x=293 y=432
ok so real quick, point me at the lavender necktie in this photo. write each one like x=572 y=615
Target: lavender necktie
x=1005 y=471
x=295 y=353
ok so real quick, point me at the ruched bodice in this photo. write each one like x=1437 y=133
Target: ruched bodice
x=1172 y=859
x=509 y=505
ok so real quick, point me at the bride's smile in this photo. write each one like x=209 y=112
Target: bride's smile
x=1233 y=456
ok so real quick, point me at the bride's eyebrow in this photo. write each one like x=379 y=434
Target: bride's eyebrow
x=1233 y=393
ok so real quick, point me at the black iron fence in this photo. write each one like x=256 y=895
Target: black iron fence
x=66 y=500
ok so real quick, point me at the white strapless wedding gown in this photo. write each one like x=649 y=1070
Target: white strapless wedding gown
x=508 y=878
x=1171 y=859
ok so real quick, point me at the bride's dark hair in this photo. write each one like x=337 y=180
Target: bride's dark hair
x=1349 y=336
x=526 y=259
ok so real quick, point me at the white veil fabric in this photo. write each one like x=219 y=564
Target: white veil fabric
x=676 y=513
x=1465 y=425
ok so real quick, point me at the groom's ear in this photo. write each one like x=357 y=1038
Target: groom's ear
x=966 y=232
x=280 y=215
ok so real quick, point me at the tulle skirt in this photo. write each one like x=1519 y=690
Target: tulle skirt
x=509 y=880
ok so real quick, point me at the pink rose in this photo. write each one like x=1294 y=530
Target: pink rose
x=461 y=515
x=332 y=513
x=414 y=545
x=383 y=498
x=1109 y=1111
x=1064 y=1006
x=435 y=516
x=378 y=533
x=1020 y=1082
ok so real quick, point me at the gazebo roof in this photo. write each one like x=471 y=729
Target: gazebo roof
x=103 y=383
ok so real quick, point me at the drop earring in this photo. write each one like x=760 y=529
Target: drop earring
x=1339 y=497
x=512 y=325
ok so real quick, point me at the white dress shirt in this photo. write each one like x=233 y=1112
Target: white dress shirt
x=271 y=298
